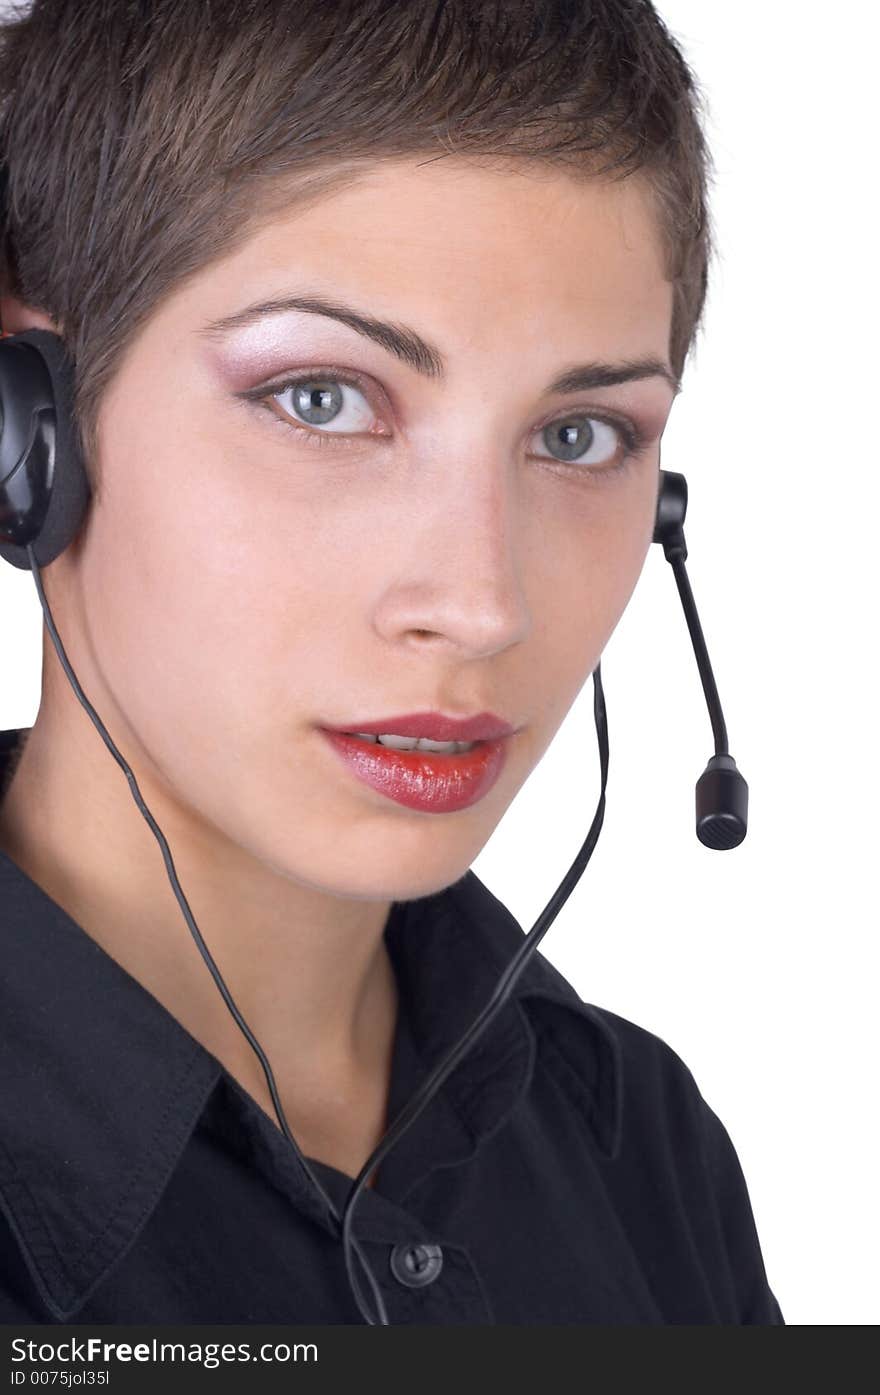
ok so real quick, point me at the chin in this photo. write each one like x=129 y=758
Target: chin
x=399 y=884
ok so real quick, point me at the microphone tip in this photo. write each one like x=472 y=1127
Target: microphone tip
x=722 y=805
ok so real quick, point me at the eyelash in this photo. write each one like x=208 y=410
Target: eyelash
x=634 y=439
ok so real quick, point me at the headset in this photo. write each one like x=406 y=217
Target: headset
x=44 y=497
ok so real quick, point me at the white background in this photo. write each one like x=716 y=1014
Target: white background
x=757 y=965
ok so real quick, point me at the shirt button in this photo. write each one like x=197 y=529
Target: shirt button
x=416 y=1265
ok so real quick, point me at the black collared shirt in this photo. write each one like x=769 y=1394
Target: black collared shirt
x=568 y=1170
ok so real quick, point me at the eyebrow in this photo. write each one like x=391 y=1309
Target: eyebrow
x=424 y=357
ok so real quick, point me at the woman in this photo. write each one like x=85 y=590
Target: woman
x=377 y=317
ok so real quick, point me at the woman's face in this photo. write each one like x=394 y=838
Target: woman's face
x=400 y=533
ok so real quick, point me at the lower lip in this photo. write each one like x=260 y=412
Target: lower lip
x=435 y=783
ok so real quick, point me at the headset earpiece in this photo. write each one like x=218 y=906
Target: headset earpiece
x=44 y=489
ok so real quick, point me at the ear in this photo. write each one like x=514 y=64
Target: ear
x=16 y=317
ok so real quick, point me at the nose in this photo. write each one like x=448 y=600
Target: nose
x=456 y=576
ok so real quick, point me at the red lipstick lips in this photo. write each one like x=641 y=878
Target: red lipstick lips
x=485 y=726
x=434 y=782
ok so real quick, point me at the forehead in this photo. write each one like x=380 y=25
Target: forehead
x=471 y=245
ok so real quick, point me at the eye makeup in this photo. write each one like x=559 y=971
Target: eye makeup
x=632 y=437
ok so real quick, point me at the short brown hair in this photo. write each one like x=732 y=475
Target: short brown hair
x=144 y=140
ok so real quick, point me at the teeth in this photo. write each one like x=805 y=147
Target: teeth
x=448 y=747
x=412 y=743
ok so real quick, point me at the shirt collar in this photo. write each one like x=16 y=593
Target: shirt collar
x=103 y=1086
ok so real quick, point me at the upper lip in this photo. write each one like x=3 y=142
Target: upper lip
x=483 y=726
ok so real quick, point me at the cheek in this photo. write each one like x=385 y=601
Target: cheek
x=584 y=564
x=216 y=604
